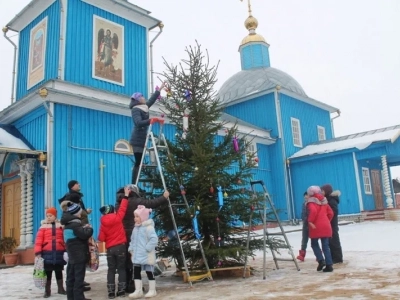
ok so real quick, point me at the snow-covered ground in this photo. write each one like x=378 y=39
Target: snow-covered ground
x=370 y=271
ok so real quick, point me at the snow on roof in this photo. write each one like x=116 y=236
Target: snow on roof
x=359 y=141
x=7 y=140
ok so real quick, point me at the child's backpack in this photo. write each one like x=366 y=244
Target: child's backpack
x=93 y=263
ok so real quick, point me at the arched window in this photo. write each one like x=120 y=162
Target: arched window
x=123 y=147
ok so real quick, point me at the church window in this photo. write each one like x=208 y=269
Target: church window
x=252 y=152
x=321 y=133
x=296 y=132
x=367 y=181
x=123 y=147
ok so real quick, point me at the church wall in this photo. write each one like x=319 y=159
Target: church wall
x=259 y=112
x=81 y=65
x=254 y=56
x=310 y=117
x=33 y=127
x=38 y=66
x=337 y=170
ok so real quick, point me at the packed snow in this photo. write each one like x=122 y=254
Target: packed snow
x=370 y=271
x=10 y=141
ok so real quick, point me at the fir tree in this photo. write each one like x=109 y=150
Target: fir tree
x=202 y=160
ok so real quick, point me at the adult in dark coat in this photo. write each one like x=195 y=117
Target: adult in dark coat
x=334 y=242
x=141 y=120
x=128 y=221
x=74 y=195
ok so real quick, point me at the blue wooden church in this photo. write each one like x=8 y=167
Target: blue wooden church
x=70 y=118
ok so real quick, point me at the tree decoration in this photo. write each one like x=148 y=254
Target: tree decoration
x=188 y=95
x=235 y=144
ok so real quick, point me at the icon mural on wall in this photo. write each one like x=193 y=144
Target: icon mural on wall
x=108 y=51
x=11 y=168
x=37 y=53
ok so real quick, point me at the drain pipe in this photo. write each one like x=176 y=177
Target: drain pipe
x=333 y=130
x=161 y=26
x=5 y=30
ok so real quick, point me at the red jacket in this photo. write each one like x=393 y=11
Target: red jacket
x=320 y=214
x=111 y=229
x=49 y=243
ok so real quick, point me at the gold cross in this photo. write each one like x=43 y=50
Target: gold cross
x=249 y=5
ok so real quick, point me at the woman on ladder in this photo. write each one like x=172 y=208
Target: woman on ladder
x=141 y=120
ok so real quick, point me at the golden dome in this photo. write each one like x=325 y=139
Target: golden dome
x=253 y=38
x=251 y=23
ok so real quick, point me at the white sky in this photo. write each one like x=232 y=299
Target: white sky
x=344 y=53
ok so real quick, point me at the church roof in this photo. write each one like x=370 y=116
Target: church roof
x=359 y=141
x=254 y=81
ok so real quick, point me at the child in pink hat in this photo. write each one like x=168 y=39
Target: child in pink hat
x=143 y=251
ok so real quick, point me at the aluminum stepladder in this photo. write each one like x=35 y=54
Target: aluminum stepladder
x=154 y=147
x=283 y=244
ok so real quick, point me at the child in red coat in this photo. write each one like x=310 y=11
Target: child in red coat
x=319 y=223
x=112 y=232
x=49 y=244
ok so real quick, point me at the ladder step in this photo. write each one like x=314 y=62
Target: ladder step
x=275 y=233
x=147 y=180
x=158 y=148
x=149 y=166
x=284 y=259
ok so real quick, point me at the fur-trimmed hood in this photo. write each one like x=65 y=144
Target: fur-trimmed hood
x=317 y=201
x=44 y=223
x=336 y=193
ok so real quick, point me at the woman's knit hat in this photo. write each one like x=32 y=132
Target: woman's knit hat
x=107 y=209
x=143 y=212
x=136 y=96
x=52 y=211
x=312 y=190
x=327 y=188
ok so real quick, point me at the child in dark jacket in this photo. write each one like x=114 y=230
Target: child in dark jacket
x=304 y=237
x=49 y=244
x=76 y=239
x=134 y=200
x=319 y=225
x=113 y=234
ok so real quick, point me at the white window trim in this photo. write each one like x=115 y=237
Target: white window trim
x=252 y=145
x=123 y=147
x=300 y=144
x=367 y=184
x=322 y=130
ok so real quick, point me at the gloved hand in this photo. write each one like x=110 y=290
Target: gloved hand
x=156 y=120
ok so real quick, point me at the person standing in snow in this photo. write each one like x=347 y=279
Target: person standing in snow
x=334 y=242
x=49 y=245
x=113 y=234
x=142 y=247
x=134 y=200
x=320 y=215
x=304 y=235
x=141 y=120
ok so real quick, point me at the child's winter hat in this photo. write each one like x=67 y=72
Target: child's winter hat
x=52 y=211
x=73 y=209
x=312 y=190
x=143 y=212
x=327 y=188
x=107 y=209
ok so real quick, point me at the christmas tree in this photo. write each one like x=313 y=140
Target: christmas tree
x=207 y=156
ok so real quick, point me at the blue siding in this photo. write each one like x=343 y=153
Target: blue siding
x=254 y=56
x=336 y=170
x=52 y=50
x=259 y=111
x=310 y=117
x=83 y=138
x=79 y=50
x=33 y=127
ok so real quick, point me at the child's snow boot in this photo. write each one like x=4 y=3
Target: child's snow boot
x=60 y=286
x=121 y=289
x=111 y=291
x=47 y=291
x=152 y=289
x=321 y=265
x=328 y=268
x=302 y=255
x=138 y=290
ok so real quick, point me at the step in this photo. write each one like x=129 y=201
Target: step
x=374 y=218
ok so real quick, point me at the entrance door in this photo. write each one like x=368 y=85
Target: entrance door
x=12 y=209
x=377 y=188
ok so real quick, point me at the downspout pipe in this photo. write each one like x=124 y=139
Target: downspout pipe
x=161 y=26
x=61 y=41
x=5 y=30
x=333 y=130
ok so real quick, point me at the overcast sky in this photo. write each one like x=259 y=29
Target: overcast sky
x=345 y=53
